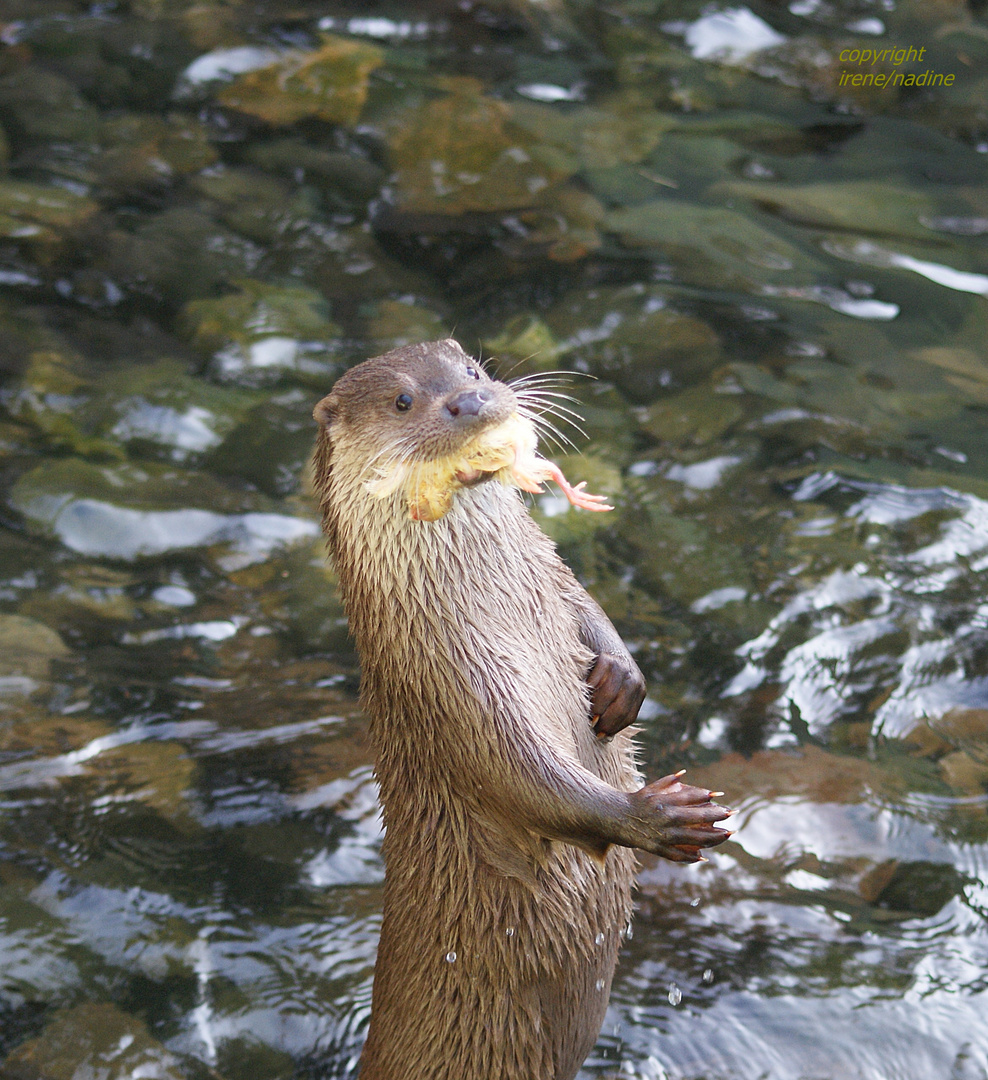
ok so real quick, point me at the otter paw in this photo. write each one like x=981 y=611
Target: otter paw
x=617 y=690
x=679 y=819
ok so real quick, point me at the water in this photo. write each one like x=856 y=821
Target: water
x=778 y=278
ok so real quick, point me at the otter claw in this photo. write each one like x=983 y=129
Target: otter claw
x=680 y=819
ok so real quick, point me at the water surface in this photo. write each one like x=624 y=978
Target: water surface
x=778 y=279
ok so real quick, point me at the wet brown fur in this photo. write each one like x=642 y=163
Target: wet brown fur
x=505 y=899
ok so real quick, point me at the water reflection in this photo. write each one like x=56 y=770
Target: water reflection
x=778 y=280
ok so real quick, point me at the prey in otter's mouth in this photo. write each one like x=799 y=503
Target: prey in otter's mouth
x=483 y=433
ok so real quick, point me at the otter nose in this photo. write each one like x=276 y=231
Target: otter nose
x=467 y=403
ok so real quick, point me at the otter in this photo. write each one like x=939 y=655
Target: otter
x=500 y=696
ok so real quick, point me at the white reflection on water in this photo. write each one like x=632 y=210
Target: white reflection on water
x=224 y=64
x=205 y=736
x=843 y=619
x=870 y=254
x=834 y=831
x=729 y=36
x=95 y=528
x=293 y=985
x=745 y=1036
x=188 y=431
x=356 y=859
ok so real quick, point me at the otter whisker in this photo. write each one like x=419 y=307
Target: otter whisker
x=538 y=392
x=563 y=412
x=390 y=464
x=517 y=364
x=395 y=452
x=560 y=412
x=560 y=376
x=547 y=395
x=548 y=431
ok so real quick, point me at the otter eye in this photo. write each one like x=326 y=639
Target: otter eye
x=473 y=373
x=403 y=402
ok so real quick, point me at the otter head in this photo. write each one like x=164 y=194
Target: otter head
x=425 y=420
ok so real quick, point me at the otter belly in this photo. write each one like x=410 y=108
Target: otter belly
x=498 y=943
x=482 y=975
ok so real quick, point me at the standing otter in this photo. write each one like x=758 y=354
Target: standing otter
x=509 y=815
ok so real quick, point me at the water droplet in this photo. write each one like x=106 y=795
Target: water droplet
x=599 y=939
x=510 y=931
x=695 y=903
x=629 y=933
x=451 y=957
x=708 y=975
x=675 y=995
x=599 y=984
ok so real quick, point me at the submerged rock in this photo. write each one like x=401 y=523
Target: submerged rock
x=697 y=415
x=260 y=207
x=329 y=83
x=340 y=174
x=27 y=648
x=563 y=522
x=870 y=206
x=712 y=246
x=158 y=774
x=160 y=410
x=93 y=1040
x=53 y=396
x=615 y=132
x=175 y=256
x=149 y=152
x=40 y=215
x=631 y=335
x=44 y=106
x=261 y=331
x=396 y=323
x=460 y=154
x=524 y=345
x=270 y=446
x=129 y=512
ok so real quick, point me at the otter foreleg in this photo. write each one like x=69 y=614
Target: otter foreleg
x=561 y=800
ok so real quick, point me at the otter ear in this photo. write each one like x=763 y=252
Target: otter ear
x=320 y=470
x=325 y=412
